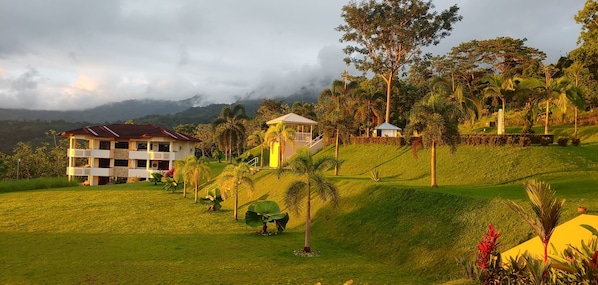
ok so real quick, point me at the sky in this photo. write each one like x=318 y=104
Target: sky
x=72 y=54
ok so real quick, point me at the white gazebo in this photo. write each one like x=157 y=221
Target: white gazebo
x=387 y=130
x=304 y=136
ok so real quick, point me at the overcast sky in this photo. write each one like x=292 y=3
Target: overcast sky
x=72 y=54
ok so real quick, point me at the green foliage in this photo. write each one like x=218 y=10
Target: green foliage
x=36 y=183
x=156 y=178
x=546 y=209
x=562 y=141
x=260 y=213
x=170 y=184
x=375 y=174
x=232 y=179
x=213 y=199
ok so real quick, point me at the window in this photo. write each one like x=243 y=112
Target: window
x=104 y=163
x=121 y=145
x=142 y=163
x=121 y=162
x=164 y=147
x=104 y=144
x=141 y=146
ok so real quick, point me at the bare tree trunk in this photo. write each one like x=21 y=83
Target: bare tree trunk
x=433 y=165
x=546 y=118
x=306 y=246
x=336 y=154
x=575 y=130
x=388 y=92
x=236 y=203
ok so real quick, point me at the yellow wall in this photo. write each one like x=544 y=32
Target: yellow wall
x=274 y=154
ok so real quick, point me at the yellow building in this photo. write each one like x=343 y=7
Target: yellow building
x=304 y=137
x=99 y=153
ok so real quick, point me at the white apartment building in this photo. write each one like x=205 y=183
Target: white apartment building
x=124 y=151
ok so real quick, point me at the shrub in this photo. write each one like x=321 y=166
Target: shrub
x=544 y=141
x=524 y=141
x=562 y=141
x=575 y=141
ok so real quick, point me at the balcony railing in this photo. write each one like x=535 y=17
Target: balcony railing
x=97 y=153
x=89 y=171
x=152 y=155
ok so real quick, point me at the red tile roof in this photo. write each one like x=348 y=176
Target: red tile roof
x=129 y=131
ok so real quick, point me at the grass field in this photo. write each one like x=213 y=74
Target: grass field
x=396 y=231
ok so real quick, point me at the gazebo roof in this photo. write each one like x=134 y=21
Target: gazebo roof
x=387 y=126
x=292 y=118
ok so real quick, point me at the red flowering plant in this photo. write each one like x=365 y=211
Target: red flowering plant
x=487 y=247
x=169 y=173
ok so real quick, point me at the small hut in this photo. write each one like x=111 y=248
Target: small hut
x=387 y=130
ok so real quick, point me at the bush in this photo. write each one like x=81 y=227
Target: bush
x=544 y=141
x=575 y=141
x=562 y=141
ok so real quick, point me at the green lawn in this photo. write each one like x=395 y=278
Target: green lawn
x=396 y=231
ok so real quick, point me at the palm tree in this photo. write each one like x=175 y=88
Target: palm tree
x=232 y=178
x=370 y=106
x=554 y=90
x=454 y=91
x=546 y=208
x=258 y=138
x=502 y=89
x=196 y=169
x=338 y=108
x=312 y=179
x=230 y=130
x=436 y=119
x=576 y=71
x=180 y=171
x=282 y=135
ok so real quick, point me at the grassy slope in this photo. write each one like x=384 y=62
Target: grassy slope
x=396 y=231
x=421 y=230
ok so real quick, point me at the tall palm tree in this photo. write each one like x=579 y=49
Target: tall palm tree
x=338 y=103
x=311 y=181
x=436 y=119
x=502 y=89
x=576 y=72
x=282 y=135
x=232 y=178
x=554 y=90
x=546 y=208
x=258 y=138
x=230 y=130
x=192 y=170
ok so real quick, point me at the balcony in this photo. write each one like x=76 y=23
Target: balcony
x=151 y=155
x=89 y=171
x=85 y=153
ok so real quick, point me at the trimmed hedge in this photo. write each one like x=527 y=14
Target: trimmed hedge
x=522 y=140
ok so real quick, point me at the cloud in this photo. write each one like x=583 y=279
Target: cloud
x=71 y=54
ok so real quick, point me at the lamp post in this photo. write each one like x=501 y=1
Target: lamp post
x=18 y=163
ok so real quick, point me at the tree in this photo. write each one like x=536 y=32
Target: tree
x=555 y=90
x=205 y=132
x=436 y=119
x=337 y=104
x=232 y=178
x=546 y=208
x=181 y=172
x=454 y=91
x=230 y=130
x=389 y=34
x=312 y=181
x=194 y=170
x=575 y=72
x=282 y=135
x=502 y=89
x=370 y=105
x=258 y=139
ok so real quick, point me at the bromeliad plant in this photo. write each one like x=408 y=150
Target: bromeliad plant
x=263 y=212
